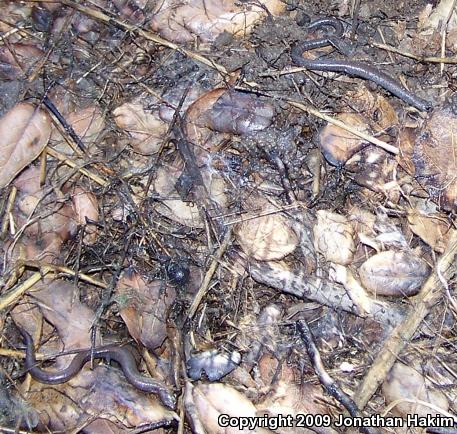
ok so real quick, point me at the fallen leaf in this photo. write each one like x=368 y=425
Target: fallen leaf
x=147 y=130
x=215 y=399
x=144 y=308
x=181 y=22
x=394 y=273
x=334 y=237
x=406 y=382
x=338 y=144
x=24 y=132
x=85 y=207
x=87 y=123
x=267 y=237
x=432 y=229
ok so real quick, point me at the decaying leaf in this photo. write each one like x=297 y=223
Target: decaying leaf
x=87 y=123
x=267 y=237
x=435 y=159
x=431 y=228
x=85 y=207
x=144 y=308
x=24 y=132
x=181 y=22
x=406 y=382
x=286 y=397
x=394 y=273
x=334 y=237
x=212 y=400
x=338 y=144
x=146 y=129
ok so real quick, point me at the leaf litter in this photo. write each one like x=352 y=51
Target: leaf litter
x=264 y=239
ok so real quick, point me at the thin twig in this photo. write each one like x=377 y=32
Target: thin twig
x=65 y=125
x=451 y=60
x=329 y=119
x=328 y=382
x=209 y=274
x=100 y=16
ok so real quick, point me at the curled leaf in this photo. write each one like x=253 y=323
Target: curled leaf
x=266 y=238
x=394 y=273
x=146 y=129
x=182 y=21
x=338 y=144
x=334 y=237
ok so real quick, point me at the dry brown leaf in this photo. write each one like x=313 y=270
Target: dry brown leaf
x=431 y=228
x=146 y=129
x=394 y=273
x=435 y=159
x=145 y=308
x=87 y=123
x=266 y=238
x=24 y=132
x=334 y=237
x=85 y=207
x=337 y=144
x=58 y=218
x=406 y=382
x=286 y=398
x=212 y=400
x=181 y=22
x=17 y=59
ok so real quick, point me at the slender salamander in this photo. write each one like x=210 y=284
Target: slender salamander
x=121 y=355
x=350 y=67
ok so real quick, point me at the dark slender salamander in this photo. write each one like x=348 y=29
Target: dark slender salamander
x=350 y=67
x=121 y=355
